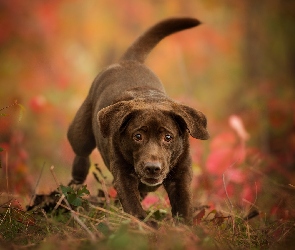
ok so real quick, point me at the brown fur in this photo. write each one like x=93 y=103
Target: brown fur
x=141 y=134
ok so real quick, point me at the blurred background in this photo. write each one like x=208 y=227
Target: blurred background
x=238 y=68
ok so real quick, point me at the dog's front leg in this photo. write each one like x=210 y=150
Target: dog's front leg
x=126 y=185
x=178 y=188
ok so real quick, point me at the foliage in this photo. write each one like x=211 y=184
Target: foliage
x=75 y=196
x=100 y=228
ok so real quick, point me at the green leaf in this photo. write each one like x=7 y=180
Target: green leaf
x=74 y=197
x=83 y=191
x=104 y=228
x=74 y=200
x=1 y=149
x=123 y=239
x=120 y=239
x=66 y=190
x=160 y=214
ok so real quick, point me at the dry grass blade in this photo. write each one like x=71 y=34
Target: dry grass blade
x=92 y=236
x=125 y=216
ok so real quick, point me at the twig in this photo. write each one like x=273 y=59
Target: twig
x=59 y=202
x=58 y=188
x=103 y=184
x=284 y=235
x=250 y=203
x=45 y=215
x=232 y=206
x=54 y=176
x=9 y=106
x=73 y=213
x=82 y=215
x=6 y=168
x=108 y=211
x=3 y=204
x=223 y=179
x=37 y=184
x=139 y=222
x=93 y=238
x=7 y=211
x=255 y=212
x=104 y=189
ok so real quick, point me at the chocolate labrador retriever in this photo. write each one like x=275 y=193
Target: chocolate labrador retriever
x=142 y=135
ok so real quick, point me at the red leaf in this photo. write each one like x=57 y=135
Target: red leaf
x=226 y=139
x=149 y=201
x=197 y=218
x=219 y=160
x=219 y=218
x=112 y=192
x=37 y=103
x=236 y=175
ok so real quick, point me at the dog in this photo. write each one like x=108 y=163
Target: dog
x=142 y=135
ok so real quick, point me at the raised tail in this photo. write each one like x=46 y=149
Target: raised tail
x=142 y=46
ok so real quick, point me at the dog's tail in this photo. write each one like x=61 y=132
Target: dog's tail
x=142 y=46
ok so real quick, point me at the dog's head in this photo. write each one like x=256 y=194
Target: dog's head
x=151 y=135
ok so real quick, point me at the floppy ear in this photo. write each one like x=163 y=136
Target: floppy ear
x=113 y=117
x=193 y=120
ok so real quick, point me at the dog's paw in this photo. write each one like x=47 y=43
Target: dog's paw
x=75 y=185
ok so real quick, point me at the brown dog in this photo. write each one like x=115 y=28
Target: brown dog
x=142 y=135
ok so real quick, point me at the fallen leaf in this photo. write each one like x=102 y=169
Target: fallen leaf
x=197 y=218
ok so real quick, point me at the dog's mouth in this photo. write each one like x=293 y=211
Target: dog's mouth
x=151 y=181
x=151 y=173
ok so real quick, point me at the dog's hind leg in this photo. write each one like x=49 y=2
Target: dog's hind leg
x=81 y=138
x=80 y=169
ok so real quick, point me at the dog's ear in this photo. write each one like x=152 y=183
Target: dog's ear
x=114 y=117
x=191 y=119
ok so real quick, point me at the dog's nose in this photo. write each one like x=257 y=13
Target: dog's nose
x=152 y=168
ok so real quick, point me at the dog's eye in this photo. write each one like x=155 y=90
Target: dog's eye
x=168 y=138
x=137 y=137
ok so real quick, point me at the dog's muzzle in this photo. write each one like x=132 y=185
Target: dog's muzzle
x=152 y=174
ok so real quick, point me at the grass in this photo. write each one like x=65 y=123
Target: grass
x=72 y=219
x=89 y=226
